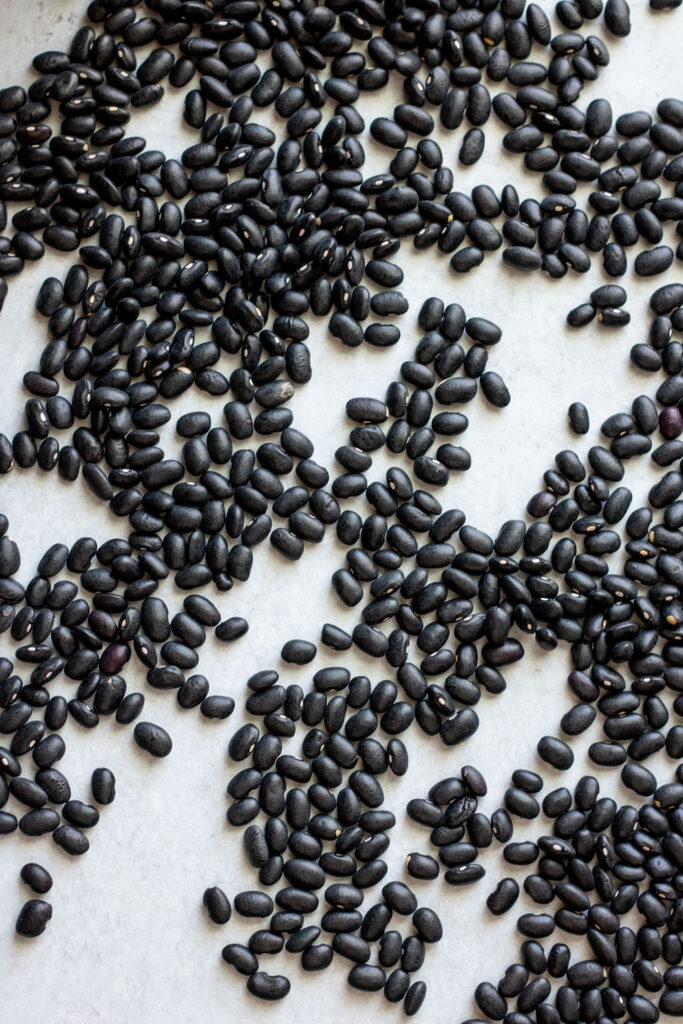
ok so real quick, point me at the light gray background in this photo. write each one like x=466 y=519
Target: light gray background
x=129 y=941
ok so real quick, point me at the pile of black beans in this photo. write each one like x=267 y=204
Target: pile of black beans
x=204 y=273
x=601 y=862
x=342 y=898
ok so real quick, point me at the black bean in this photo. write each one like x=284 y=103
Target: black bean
x=414 y=998
x=396 y=986
x=33 y=918
x=80 y=814
x=217 y=905
x=71 y=840
x=268 y=986
x=36 y=877
x=153 y=739
x=240 y=957
x=581 y=315
x=617 y=17
x=503 y=897
x=231 y=629
x=536 y=925
x=317 y=957
x=520 y=257
x=367 y=978
x=555 y=752
x=521 y=803
x=489 y=1001
x=539 y=889
x=606 y=754
x=217 y=707
x=464 y=874
x=653 y=261
x=472 y=147
x=253 y=904
x=494 y=389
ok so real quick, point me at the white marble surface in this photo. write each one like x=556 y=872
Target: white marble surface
x=129 y=941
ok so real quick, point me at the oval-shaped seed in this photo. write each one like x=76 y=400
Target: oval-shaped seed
x=367 y=978
x=503 y=897
x=268 y=986
x=555 y=752
x=252 y=903
x=489 y=1001
x=71 y=840
x=240 y=957
x=414 y=998
x=420 y=865
x=33 y=918
x=399 y=898
x=653 y=261
x=217 y=905
x=536 y=926
x=36 y=877
x=298 y=652
x=103 y=785
x=152 y=739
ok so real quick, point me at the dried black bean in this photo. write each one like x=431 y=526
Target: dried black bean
x=153 y=739
x=33 y=918
x=367 y=978
x=217 y=905
x=36 y=878
x=268 y=986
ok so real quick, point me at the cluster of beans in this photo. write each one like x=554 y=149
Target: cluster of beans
x=601 y=862
x=460 y=798
x=342 y=919
x=456 y=45
x=355 y=857
x=70 y=176
x=249 y=238
x=88 y=639
x=607 y=301
x=609 y=619
x=409 y=404
x=35 y=914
